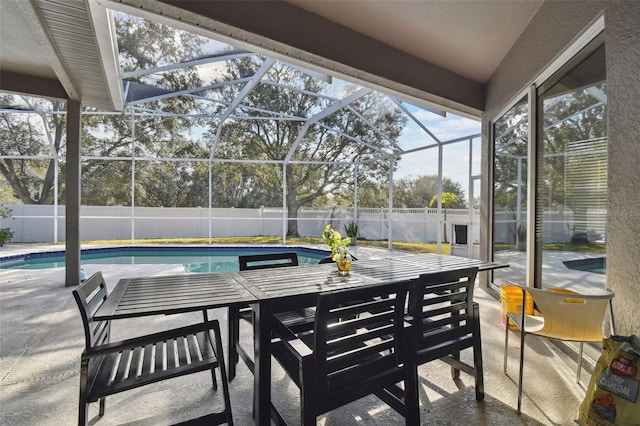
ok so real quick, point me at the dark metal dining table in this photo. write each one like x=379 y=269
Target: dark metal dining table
x=268 y=291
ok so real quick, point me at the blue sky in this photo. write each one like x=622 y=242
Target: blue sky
x=455 y=156
x=452 y=126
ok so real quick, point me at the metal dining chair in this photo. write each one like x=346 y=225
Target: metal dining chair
x=446 y=321
x=109 y=367
x=565 y=315
x=301 y=318
x=339 y=361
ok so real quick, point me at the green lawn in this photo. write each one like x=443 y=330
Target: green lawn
x=590 y=248
x=397 y=245
x=275 y=239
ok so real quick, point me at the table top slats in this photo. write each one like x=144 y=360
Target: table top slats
x=440 y=262
x=309 y=279
x=141 y=296
x=134 y=297
x=169 y=306
x=180 y=289
x=390 y=269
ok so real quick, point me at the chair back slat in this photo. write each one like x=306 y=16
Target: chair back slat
x=437 y=324
x=357 y=333
x=267 y=260
x=342 y=341
x=568 y=316
x=89 y=296
x=354 y=308
x=447 y=310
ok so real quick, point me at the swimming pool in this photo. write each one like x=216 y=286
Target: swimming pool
x=596 y=265
x=194 y=259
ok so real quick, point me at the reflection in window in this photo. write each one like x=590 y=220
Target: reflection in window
x=572 y=174
x=511 y=133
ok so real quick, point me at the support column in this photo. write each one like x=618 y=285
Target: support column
x=441 y=222
x=355 y=193
x=390 y=211
x=72 y=203
x=285 y=222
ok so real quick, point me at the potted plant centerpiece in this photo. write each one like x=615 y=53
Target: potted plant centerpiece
x=339 y=248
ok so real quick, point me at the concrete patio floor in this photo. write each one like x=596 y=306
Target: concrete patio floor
x=41 y=340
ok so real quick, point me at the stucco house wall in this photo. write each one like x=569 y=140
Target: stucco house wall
x=550 y=32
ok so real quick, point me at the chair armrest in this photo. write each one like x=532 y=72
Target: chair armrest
x=290 y=340
x=523 y=315
x=149 y=339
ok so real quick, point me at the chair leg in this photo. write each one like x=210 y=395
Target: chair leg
x=307 y=400
x=232 y=337
x=506 y=344
x=455 y=373
x=579 y=363
x=103 y=403
x=479 y=378
x=411 y=398
x=223 y=374
x=477 y=360
x=82 y=414
x=83 y=406
x=522 y=334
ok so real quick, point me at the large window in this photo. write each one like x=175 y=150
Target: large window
x=571 y=184
x=511 y=135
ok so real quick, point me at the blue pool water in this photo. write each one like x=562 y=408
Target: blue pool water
x=194 y=259
x=596 y=265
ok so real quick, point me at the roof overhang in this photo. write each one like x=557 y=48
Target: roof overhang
x=60 y=49
x=432 y=53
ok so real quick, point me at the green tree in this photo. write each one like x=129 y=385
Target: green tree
x=449 y=201
x=291 y=93
x=575 y=153
x=31 y=132
x=144 y=45
x=419 y=191
x=410 y=192
x=372 y=194
x=511 y=134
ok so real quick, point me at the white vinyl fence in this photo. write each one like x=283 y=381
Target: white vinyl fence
x=39 y=223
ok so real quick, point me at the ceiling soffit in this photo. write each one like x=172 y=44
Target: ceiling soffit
x=72 y=42
x=467 y=37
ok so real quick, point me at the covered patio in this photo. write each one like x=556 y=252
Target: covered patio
x=39 y=359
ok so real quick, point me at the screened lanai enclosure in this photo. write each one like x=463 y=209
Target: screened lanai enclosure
x=217 y=140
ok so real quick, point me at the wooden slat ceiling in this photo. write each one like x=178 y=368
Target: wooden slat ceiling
x=62 y=40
